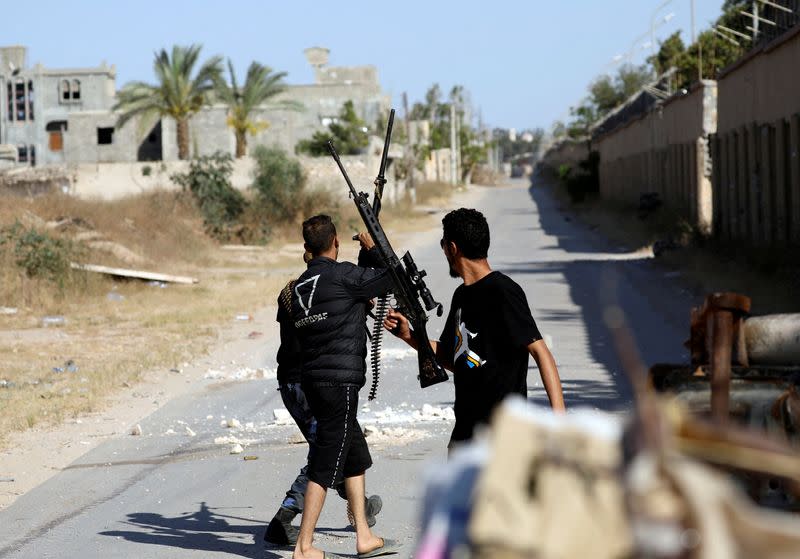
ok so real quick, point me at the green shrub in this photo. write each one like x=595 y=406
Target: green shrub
x=582 y=181
x=38 y=254
x=278 y=182
x=348 y=132
x=208 y=179
x=147 y=170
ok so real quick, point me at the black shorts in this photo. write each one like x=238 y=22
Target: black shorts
x=340 y=449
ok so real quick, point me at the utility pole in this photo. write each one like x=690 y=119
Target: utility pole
x=699 y=45
x=411 y=162
x=755 y=21
x=453 y=163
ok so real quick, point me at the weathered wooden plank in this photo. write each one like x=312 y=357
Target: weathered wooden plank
x=716 y=147
x=135 y=274
x=765 y=167
x=730 y=186
x=743 y=185
x=754 y=185
x=781 y=184
x=794 y=177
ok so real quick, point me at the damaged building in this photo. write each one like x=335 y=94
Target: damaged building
x=64 y=117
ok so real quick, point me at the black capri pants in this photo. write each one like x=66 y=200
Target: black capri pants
x=340 y=449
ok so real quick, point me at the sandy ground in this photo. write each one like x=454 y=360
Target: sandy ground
x=33 y=456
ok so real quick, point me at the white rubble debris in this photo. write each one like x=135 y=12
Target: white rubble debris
x=169 y=432
x=397 y=353
x=392 y=435
x=245 y=373
x=237 y=449
x=190 y=432
x=282 y=417
x=136 y=430
x=209 y=417
x=233 y=423
x=433 y=413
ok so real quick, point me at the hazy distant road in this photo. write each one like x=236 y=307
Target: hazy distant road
x=172 y=495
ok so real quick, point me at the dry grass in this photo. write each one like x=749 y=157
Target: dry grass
x=113 y=341
x=115 y=331
x=769 y=276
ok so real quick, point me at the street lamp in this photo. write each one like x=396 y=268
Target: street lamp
x=653 y=22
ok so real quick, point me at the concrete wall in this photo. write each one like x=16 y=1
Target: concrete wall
x=757 y=150
x=763 y=87
x=110 y=181
x=664 y=151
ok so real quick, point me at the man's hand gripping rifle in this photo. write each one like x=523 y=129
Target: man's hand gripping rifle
x=408 y=286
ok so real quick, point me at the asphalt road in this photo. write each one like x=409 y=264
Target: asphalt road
x=167 y=494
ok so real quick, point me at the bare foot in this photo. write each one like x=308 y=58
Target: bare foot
x=308 y=553
x=369 y=543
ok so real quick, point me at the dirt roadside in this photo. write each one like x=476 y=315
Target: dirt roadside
x=30 y=457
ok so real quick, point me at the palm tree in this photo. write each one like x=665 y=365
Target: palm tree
x=177 y=94
x=260 y=85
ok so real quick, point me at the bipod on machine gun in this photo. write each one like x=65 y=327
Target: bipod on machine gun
x=408 y=285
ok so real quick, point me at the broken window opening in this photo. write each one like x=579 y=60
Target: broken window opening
x=22 y=154
x=76 y=90
x=30 y=100
x=65 y=90
x=19 y=100
x=10 y=101
x=105 y=136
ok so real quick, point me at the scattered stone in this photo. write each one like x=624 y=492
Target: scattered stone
x=282 y=416
x=169 y=432
x=233 y=423
x=190 y=432
x=136 y=430
x=237 y=449
x=8 y=310
x=173 y=370
x=370 y=430
x=209 y=417
x=243 y=317
x=254 y=334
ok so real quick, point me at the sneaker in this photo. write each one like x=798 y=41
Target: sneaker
x=280 y=530
x=372 y=506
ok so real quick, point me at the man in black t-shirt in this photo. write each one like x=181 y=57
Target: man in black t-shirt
x=489 y=332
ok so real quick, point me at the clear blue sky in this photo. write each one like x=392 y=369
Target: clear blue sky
x=524 y=62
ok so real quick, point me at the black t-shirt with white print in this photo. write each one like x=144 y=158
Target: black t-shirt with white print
x=486 y=336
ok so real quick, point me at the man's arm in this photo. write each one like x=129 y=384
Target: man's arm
x=549 y=373
x=397 y=324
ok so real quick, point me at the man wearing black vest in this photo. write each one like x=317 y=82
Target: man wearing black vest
x=329 y=308
x=280 y=530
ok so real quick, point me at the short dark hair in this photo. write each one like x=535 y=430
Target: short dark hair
x=318 y=233
x=468 y=229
